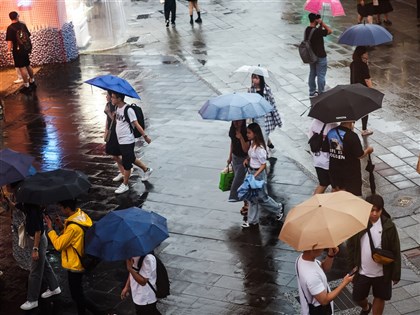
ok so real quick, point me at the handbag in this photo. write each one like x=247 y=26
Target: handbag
x=226 y=178
x=22 y=236
x=379 y=255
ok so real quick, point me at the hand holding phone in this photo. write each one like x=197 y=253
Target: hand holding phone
x=353 y=271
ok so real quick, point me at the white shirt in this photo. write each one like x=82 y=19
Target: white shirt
x=257 y=156
x=321 y=159
x=311 y=280
x=143 y=295
x=122 y=128
x=369 y=267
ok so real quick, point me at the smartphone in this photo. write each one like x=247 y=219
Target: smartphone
x=353 y=271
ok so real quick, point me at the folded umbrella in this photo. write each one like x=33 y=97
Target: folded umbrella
x=123 y=234
x=236 y=106
x=53 y=186
x=370 y=168
x=115 y=84
x=345 y=103
x=14 y=166
x=250 y=188
x=325 y=221
x=365 y=35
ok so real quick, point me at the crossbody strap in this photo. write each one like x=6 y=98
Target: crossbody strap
x=372 y=246
x=301 y=286
x=311 y=33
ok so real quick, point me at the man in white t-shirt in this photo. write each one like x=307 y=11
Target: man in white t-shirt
x=371 y=274
x=312 y=281
x=141 y=276
x=126 y=141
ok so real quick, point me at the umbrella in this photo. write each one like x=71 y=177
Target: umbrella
x=115 y=84
x=365 y=35
x=14 y=166
x=254 y=70
x=242 y=74
x=314 y=6
x=370 y=168
x=325 y=221
x=345 y=103
x=250 y=188
x=235 y=106
x=123 y=234
x=53 y=186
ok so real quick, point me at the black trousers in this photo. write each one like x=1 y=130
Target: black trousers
x=170 y=7
x=77 y=294
x=149 y=309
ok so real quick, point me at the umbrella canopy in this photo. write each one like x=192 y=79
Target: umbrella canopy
x=315 y=6
x=345 y=103
x=325 y=221
x=235 y=106
x=14 y=166
x=242 y=74
x=53 y=186
x=123 y=234
x=365 y=35
x=254 y=70
x=115 y=84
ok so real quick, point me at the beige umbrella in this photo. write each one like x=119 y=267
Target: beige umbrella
x=325 y=221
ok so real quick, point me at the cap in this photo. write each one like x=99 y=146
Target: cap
x=312 y=17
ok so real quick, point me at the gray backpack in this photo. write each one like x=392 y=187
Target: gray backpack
x=305 y=49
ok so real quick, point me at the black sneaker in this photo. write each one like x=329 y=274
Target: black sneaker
x=32 y=85
x=270 y=145
x=167 y=23
x=25 y=90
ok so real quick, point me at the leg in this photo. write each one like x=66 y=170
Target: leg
x=378 y=306
x=323 y=179
x=36 y=273
x=117 y=159
x=382 y=291
x=190 y=10
x=240 y=171
x=311 y=79
x=173 y=14
x=49 y=274
x=321 y=72
x=30 y=73
x=140 y=164
x=320 y=189
x=370 y=19
x=197 y=9
x=253 y=212
x=361 y=288
x=76 y=290
x=265 y=200
x=24 y=74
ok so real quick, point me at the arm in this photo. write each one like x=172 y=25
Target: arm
x=140 y=129
x=326 y=297
x=369 y=83
x=367 y=151
x=229 y=160
x=35 y=249
x=64 y=240
x=126 y=290
x=328 y=261
x=261 y=169
x=326 y=27
x=136 y=275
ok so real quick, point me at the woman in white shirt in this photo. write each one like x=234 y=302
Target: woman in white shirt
x=256 y=164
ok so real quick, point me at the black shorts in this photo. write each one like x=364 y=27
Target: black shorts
x=112 y=147
x=381 y=289
x=21 y=59
x=323 y=176
x=366 y=10
x=128 y=156
x=350 y=184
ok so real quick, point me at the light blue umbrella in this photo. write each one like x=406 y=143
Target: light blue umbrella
x=365 y=35
x=235 y=106
x=123 y=234
x=115 y=84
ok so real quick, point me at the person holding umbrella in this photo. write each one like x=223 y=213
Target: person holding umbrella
x=380 y=233
x=359 y=73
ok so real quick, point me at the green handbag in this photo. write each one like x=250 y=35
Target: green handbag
x=226 y=178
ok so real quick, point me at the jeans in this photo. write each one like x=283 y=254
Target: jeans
x=263 y=200
x=317 y=70
x=40 y=269
x=240 y=171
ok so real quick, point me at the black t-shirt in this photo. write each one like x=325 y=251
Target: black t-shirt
x=11 y=33
x=345 y=149
x=236 y=143
x=317 y=40
x=359 y=72
x=34 y=219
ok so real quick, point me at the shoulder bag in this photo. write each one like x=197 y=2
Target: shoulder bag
x=379 y=255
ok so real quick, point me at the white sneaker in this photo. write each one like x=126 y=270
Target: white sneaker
x=122 y=189
x=118 y=177
x=147 y=174
x=17 y=81
x=29 y=305
x=50 y=293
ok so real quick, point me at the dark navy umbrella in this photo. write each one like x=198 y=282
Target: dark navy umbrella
x=115 y=84
x=365 y=35
x=14 y=166
x=123 y=234
x=53 y=186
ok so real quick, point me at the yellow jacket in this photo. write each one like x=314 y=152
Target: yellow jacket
x=70 y=240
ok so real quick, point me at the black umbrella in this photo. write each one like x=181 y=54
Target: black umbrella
x=53 y=186
x=370 y=168
x=345 y=103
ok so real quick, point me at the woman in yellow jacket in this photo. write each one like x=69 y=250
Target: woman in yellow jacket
x=68 y=242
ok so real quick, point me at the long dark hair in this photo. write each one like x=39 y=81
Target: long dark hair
x=358 y=52
x=232 y=130
x=258 y=136
x=262 y=83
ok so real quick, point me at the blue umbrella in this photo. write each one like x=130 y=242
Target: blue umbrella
x=123 y=234
x=14 y=166
x=365 y=35
x=115 y=84
x=235 y=106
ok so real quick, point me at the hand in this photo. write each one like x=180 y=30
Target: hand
x=58 y=222
x=48 y=222
x=369 y=150
x=35 y=255
x=229 y=160
x=147 y=139
x=246 y=162
x=347 y=279
x=125 y=292
x=238 y=134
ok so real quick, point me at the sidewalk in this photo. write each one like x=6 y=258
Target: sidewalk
x=215 y=267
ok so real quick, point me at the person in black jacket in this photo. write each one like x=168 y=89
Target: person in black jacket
x=371 y=274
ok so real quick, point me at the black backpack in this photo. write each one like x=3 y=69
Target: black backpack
x=140 y=118
x=305 y=49
x=162 y=279
x=89 y=262
x=23 y=40
x=315 y=142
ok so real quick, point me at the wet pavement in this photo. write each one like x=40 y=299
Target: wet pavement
x=215 y=267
